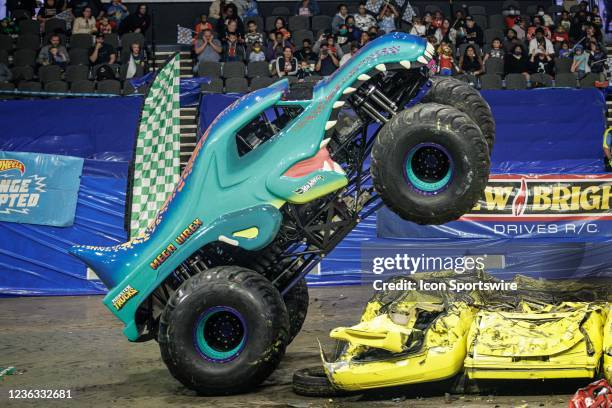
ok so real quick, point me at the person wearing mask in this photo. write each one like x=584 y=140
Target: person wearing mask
x=511 y=13
x=386 y=18
x=546 y=19
x=304 y=71
x=137 y=22
x=539 y=39
x=286 y=64
x=339 y=18
x=233 y=51
x=306 y=8
x=137 y=63
x=257 y=53
x=516 y=62
x=53 y=53
x=541 y=62
x=327 y=62
x=353 y=32
x=306 y=53
x=473 y=32
x=85 y=24
x=207 y=49
x=363 y=20
x=342 y=38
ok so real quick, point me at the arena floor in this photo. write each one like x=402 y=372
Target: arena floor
x=74 y=343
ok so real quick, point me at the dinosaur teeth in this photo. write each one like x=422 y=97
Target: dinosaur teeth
x=227 y=240
x=428 y=54
x=326 y=166
x=338 y=104
x=430 y=48
x=422 y=60
x=324 y=143
x=349 y=90
x=330 y=124
x=338 y=168
x=363 y=77
x=405 y=64
x=381 y=67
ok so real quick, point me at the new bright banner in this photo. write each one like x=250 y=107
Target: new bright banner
x=39 y=188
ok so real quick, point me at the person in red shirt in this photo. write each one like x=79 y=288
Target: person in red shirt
x=446 y=63
x=203 y=24
x=559 y=35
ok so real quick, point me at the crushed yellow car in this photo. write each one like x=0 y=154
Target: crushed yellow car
x=536 y=341
x=413 y=338
x=607 y=346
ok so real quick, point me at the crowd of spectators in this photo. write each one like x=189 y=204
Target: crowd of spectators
x=470 y=43
x=72 y=45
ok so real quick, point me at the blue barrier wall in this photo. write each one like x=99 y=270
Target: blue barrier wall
x=539 y=131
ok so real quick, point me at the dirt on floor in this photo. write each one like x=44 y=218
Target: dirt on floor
x=74 y=343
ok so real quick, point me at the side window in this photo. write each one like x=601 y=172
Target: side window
x=263 y=127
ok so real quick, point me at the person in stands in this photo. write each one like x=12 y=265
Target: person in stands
x=233 y=50
x=53 y=53
x=339 y=18
x=137 y=22
x=306 y=8
x=286 y=64
x=516 y=62
x=327 y=62
x=386 y=18
x=207 y=49
x=85 y=24
x=363 y=20
x=102 y=53
x=137 y=63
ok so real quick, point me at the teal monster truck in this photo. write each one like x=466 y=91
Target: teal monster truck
x=278 y=179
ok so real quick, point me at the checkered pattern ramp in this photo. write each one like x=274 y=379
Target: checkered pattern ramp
x=157 y=156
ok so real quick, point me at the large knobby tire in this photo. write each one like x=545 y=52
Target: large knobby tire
x=224 y=331
x=430 y=164
x=312 y=382
x=458 y=94
x=296 y=301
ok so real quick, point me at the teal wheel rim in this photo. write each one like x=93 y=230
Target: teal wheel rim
x=220 y=334
x=428 y=168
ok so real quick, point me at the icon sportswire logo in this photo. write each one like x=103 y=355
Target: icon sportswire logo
x=512 y=197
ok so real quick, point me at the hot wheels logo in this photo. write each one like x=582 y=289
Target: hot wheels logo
x=544 y=198
x=12 y=164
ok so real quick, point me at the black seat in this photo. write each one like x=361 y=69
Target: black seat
x=491 y=81
x=540 y=80
x=82 y=86
x=321 y=22
x=112 y=39
x=28 y=41
x=77 y=73
x=563 y=65
x=56 y=86
x=261 y=82
x=49 y=73
x=565 y=80
x=494 y=66
x=4 y=57
x=589 y=80
x=79 y=56
x=29 y=86
x=29 y=27
x=299 y=23
x=55 y=26
x=209 y=69
x=236 y=85
x=258 y=69
x=84 y=41
x=25 y=57
x=516 y=81
x=25 y=73
x=214 y=86
x=6 y=43
x=234 y=69
x=281 y=11
x=109 y=86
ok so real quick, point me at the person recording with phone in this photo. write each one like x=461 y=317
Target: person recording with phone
x=327 y=62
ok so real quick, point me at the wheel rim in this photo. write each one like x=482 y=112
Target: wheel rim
x=428 y=168
x=220 y=334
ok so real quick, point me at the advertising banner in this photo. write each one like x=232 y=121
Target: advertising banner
x=39 y=188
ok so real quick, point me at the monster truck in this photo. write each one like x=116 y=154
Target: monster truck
x=278 y=179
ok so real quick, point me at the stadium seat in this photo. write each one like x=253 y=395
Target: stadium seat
x=261 y=82
x=55 y=26
x=79 y=56
x=82 y=86
x=313 y=78
x=24 y=57
x=236 y=85
x=432 y=8
x=6 y=43
x=494 y=66
x=128 y=88
x=270 y=20
x=77 y=73
x=28 y=41
x=109 y=86
x=532 y=9
x=299 y=23
x=258 y=69
x=258 y=20
x=29 y=86
x=112 y=39
x=563 y=65
x=233 y=70
x=496 y=21
x=481 y=20
x=130 y=38
x=84 y=41
x=508 y=3
x=123 y=71
x=321 y=23
x=49 y=73
x=477 y=10
x=4 y=57
x=491 y=81
x=565 y=79
x=516 y=81
x=29 y=27
x=300 y=35
x=21 y=14
x=215 y=86
x=554 y=9
x=209 y=69
x=589 y=80
x=25 y=73
x=491 y=33
x=539 y=80
x=281 y=11
x=56 y=86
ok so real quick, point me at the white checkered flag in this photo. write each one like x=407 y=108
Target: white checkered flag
x=184 y=35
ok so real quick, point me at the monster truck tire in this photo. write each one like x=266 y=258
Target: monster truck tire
x=430 y=164
x=296 y=301
x=458 y=94
x=223 y=331
x=312 y=382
